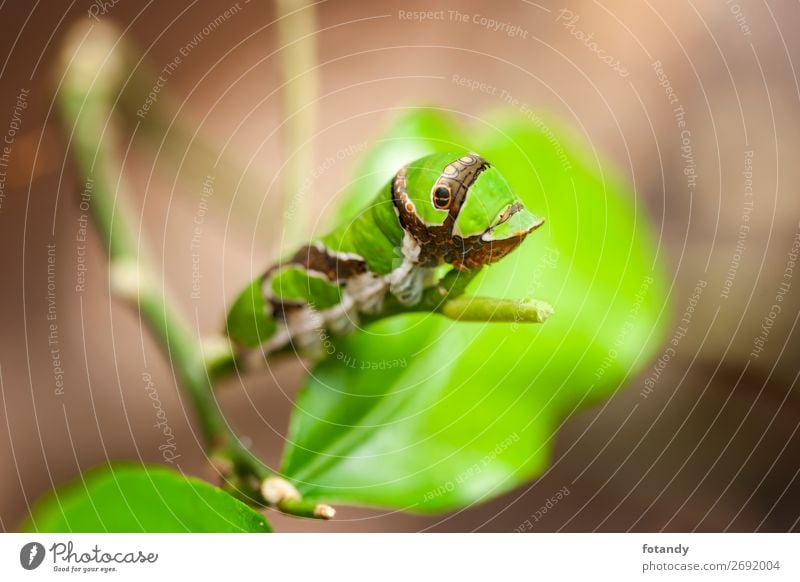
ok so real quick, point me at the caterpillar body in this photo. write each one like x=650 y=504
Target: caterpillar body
x=452 y=208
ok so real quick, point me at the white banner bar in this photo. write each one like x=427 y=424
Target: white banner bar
x=355 y=557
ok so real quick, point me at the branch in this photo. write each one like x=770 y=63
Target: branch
x=496 y=310
x=93 y=70
x=298 y=58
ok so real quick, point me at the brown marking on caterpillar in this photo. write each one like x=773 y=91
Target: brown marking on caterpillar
x=281 y=309
x=437 y=242
x=336 y=267
x=468 y=168
x=313 y=258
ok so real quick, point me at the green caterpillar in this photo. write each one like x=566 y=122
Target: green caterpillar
x=442 y=209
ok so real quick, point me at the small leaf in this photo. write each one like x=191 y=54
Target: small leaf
x=422 y=413
x=125 y=498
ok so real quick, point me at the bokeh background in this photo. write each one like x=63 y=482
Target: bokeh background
x=713 y=447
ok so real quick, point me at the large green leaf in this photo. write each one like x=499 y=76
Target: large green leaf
x=128 y=498
x=425 y=414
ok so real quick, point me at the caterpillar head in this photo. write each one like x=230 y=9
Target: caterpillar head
x=460 y=210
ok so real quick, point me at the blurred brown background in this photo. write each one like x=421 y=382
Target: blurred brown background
x=714 y=447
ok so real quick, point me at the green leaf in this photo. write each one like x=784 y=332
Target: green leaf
x=425 y=414
x=125 y=498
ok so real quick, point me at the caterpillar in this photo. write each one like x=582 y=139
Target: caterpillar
x=443 y=209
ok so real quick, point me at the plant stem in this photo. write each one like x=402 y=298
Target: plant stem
x=298 y=58
x=92 y=72
x=496 y=310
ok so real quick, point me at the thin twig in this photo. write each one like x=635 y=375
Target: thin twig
x=298 y=58
x=92 y=72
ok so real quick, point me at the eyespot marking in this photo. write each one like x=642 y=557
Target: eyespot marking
x=442 y=197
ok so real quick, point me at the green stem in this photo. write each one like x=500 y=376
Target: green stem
x=496 y=310
x=92 y=72
x=298 y=58
x=85 y=99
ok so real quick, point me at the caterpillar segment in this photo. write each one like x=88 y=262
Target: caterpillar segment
x=442 y=209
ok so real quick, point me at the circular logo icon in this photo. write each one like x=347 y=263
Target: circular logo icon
x=31 y=555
